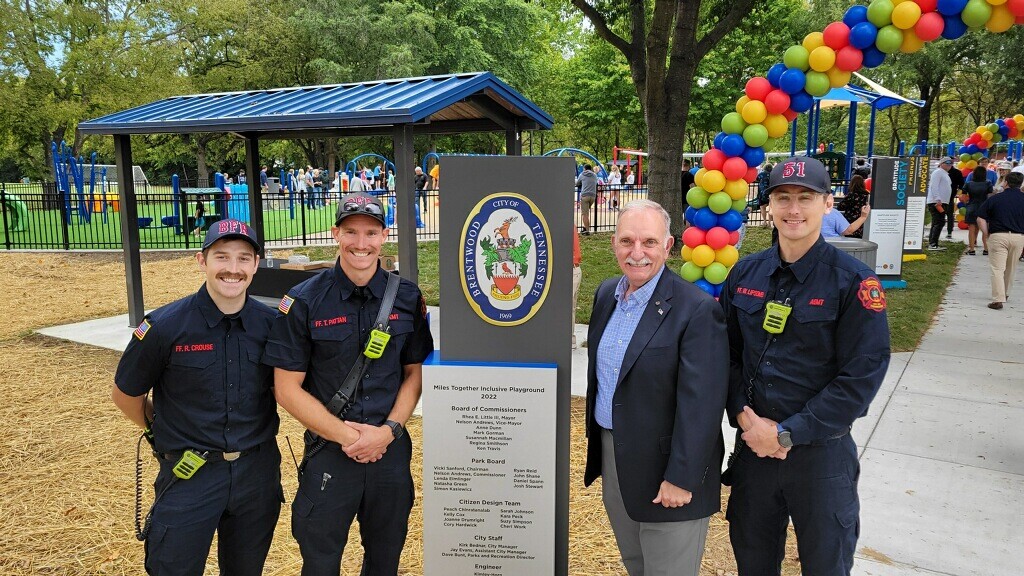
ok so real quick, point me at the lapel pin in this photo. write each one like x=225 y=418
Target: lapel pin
x=660 y=311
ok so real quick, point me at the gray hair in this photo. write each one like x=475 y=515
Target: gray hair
x=644 y=204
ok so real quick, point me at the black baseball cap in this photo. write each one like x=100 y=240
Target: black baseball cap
x=801 y=171
x=359 y=203
x=227 y=229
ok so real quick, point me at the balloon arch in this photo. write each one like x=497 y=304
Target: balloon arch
x=824 y=60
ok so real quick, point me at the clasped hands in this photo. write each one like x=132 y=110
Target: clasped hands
x=365 y=443
x=761 y=434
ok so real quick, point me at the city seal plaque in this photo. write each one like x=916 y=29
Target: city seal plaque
x=506 y=262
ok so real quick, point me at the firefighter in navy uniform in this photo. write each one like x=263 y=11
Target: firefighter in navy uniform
x=361 y=469
x=213 y=415
x=809 y=347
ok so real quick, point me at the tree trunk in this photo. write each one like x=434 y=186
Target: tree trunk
x=924 y=113
x=203 y=170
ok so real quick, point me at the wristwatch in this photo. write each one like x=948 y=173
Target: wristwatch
x=396 y=429
x=785 y=440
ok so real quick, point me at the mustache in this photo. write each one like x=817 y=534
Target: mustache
x=642 y=262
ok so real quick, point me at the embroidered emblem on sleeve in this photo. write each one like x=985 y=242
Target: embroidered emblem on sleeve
x=142 y=329
x=285 y=305
x=871 y=294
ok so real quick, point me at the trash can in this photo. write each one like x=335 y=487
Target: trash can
x=273 y=185
x=863 y=250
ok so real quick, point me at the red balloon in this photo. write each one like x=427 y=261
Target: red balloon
x=927 y=5
x=693 y=236
x=1016 y=7
x=849 y=59
x=713 y=159
x=734 y=237
x=717 y=237
x=734 y=169
x=790 y=115
x=929 y=26
x=966 y=172
x=776 y=102
x=751 y=175
x=867 y=184
x=1010 y=122
x=972 y=139
x=1018 y=20
x=962 y=225
x=837 y=35
x=983 y=144
x=758 y=87
x=1013 y=132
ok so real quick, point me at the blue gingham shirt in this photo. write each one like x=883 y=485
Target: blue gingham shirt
x=615 y=340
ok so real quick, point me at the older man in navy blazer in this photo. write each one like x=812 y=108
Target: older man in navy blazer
x=656 y=392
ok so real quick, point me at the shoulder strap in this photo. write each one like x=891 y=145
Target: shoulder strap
x=340 y=400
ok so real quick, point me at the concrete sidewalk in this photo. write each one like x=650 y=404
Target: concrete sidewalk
x=942 y=473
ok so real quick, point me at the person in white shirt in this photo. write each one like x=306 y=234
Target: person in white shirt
x=939 y=189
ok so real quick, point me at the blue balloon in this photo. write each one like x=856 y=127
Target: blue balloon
x=731 y=220
x=718 y=289
x=792 y=81
x=873 y=57
x=863 y=35
x=718 y=139
x=753 y=156
x=694 y=170
x=733 y=145
x=801 y=102
x=855 y=15
x=705 y=286
x=775 y=73
x=951 y=8
x=972 y=148
x=705 y=219
x=962 y=150
x=1000 y=122
x=690 y=213
x=954 y=27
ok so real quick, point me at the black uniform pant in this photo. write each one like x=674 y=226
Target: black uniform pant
x=816 y=486
x=239 y=500
x=334 y=489
x=938 y=221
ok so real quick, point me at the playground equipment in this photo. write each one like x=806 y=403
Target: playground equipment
x=17 y=213
x=601 y=172
x=640 y=154
x=353 y=164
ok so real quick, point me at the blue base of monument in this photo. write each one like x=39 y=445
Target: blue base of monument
x=894 y=284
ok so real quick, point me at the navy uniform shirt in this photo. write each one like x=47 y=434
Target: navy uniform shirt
x=821 y=373
x=322 y=327
x=1004 y=212
x=210 y=391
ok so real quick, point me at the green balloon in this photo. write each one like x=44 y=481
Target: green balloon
x=739 y=205
x=691 y=272
x=697 y=197
x=976 y=14
x=720 y=203
x=889 y=38
x=817 y=83
x=880 y=13
x=716 y=273
x=965 y=157
x=733 y=123
x=797 y=56
x=976 y=156
x=993 y=127
x=755 y=135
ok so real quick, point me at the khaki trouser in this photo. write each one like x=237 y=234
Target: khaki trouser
x=1003 y=250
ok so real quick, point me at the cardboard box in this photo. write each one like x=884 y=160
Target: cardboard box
x=389 y=263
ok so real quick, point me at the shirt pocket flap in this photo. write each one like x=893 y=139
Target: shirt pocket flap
x=400 y=326
x=748 y=304
x=336 y=333
x=826 y=312
x=255 y=355
x=193 y=359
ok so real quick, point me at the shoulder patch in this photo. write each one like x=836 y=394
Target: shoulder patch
x=423 y=307
x=871 y=294
x=285 y=305
x=142 y=329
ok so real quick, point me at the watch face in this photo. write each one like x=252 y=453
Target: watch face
x=785 y=440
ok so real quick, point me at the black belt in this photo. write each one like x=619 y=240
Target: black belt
x=210 y=456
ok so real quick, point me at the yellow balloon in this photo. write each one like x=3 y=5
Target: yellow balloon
x=1001 y=19
x=997 y=2
x=961 y=165
x=981 y=129
x=741 y=103
x=822 y=58
x=754 y=112
x=898 y=2
x=727 y=255
x=714 y=181
x=703 y=255
x=906 y=15
x=972 y=164
x=837 y=77
x=686 y=253
x=698 y=177
x=1018 y=118
x=777 y=125
x=736 y=189
x=987 y=134
x=911 y=43
x=813 y=40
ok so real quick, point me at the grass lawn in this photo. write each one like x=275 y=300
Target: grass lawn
x=910 y=310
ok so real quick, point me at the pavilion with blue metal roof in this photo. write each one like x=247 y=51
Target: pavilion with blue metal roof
x=401 y=108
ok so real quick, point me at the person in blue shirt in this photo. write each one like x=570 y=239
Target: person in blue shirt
x=200 y=356
x=835 y=225
x=809 y=347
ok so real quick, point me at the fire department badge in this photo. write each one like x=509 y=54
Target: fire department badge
x=871 y=294
x=506 y=259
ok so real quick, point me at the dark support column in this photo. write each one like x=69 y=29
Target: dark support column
x=129 y=228
x=514 y=140
x=252 y=170
x=405 y=193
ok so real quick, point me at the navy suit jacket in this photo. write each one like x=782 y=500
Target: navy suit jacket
x=668 y=403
